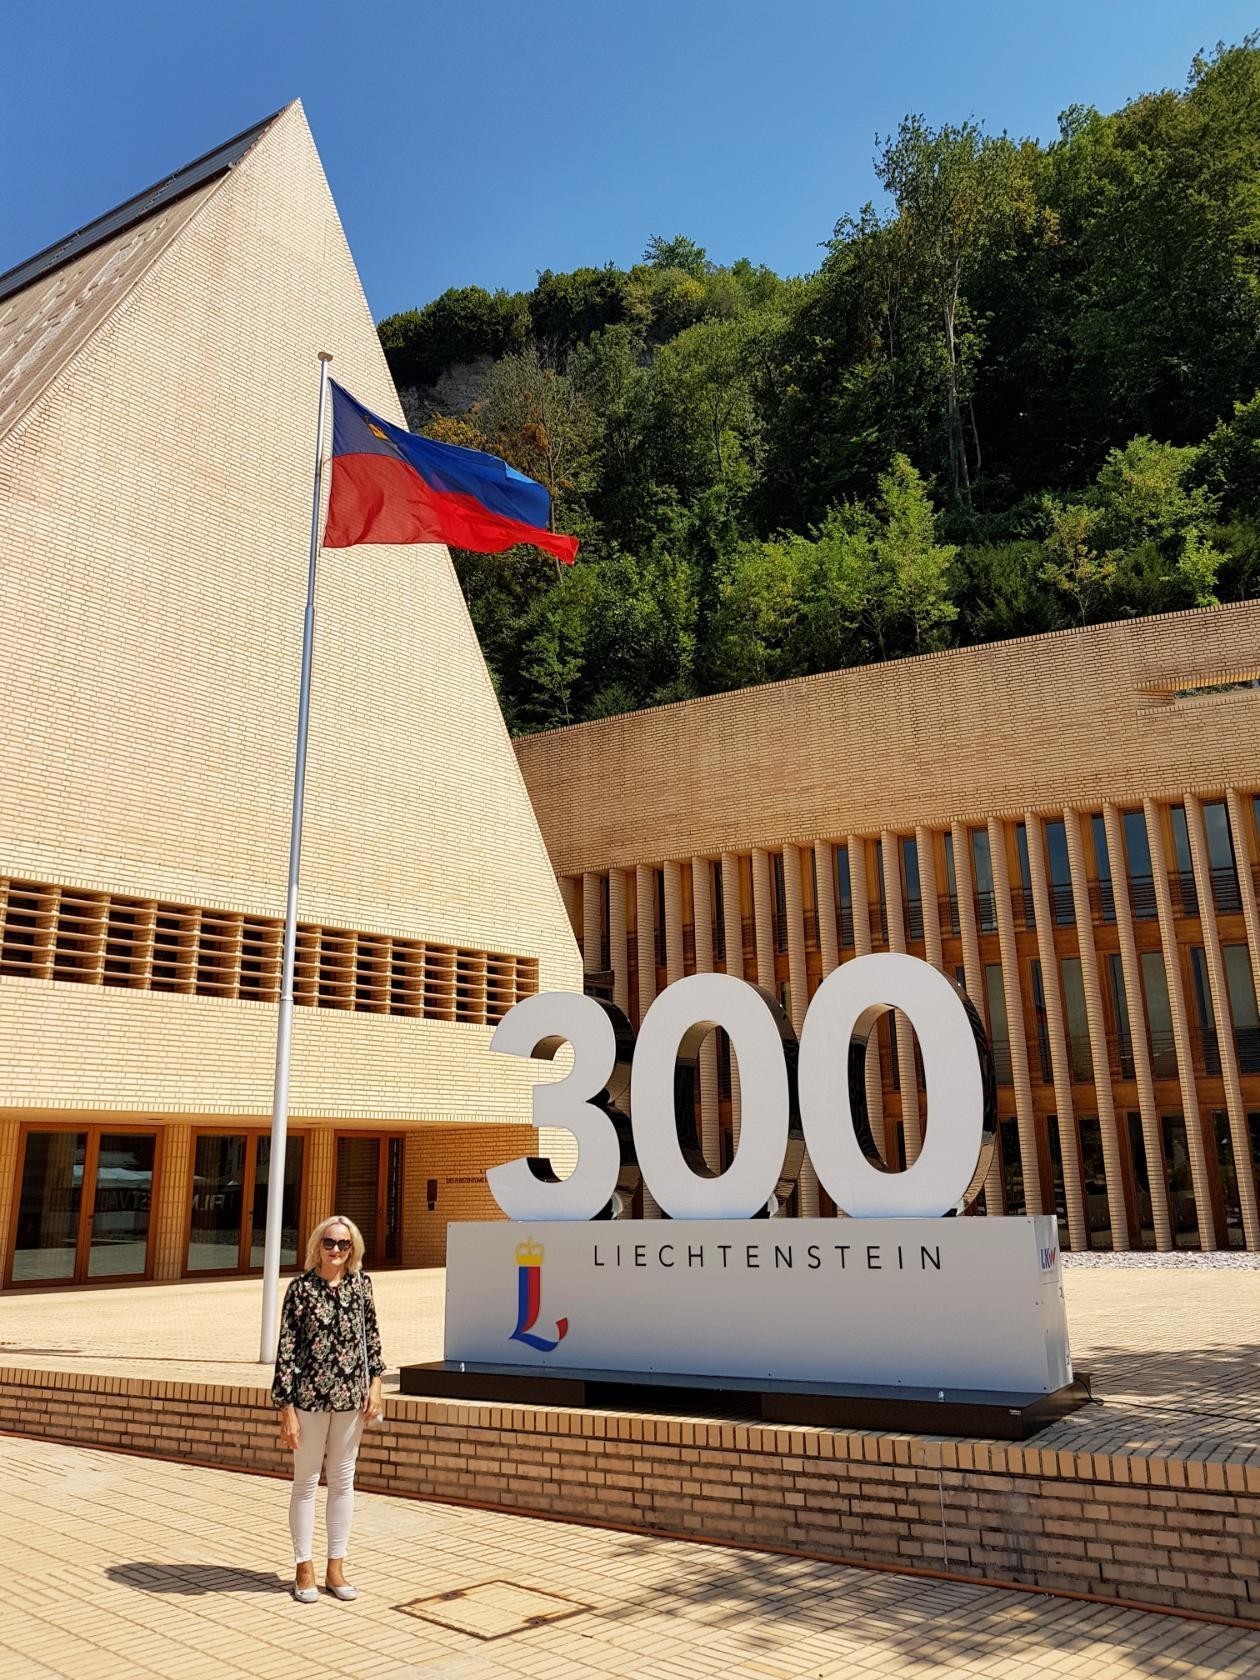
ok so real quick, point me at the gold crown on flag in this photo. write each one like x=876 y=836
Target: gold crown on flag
x=529 y=1254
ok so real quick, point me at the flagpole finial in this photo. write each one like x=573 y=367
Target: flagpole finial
x=325 y=355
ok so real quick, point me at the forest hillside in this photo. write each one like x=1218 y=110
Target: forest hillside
x=1019 y=392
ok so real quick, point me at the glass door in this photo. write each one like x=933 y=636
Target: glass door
x=121 y=1199
x=227 y=1230
x=83 y=1205
x=49 y=1205
x=370 y=1192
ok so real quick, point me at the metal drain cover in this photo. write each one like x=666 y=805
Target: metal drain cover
x=493 y=1609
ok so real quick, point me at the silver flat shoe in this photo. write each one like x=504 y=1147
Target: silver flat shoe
x=304 y=1595
x=347 y=1595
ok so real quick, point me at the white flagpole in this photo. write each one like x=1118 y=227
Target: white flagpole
x=284 y=1030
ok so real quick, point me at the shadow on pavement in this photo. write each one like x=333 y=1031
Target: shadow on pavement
x=192 y=1578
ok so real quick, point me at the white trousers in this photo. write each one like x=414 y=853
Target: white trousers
x=327 y=1440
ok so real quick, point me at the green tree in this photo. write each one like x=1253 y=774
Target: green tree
x=462 y=324
x=680 y=253
x=1073 y=564
x=536 y=418
x=956 y=190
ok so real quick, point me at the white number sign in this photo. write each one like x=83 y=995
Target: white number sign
x=591 y=1099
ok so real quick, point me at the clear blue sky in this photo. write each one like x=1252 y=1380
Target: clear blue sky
x=478 y=141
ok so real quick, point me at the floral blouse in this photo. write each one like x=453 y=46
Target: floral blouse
x=319 y=1362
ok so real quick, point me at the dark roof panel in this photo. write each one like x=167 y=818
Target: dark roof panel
x=185 y=180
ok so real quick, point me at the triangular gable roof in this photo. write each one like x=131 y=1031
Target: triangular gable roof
x=52 y=304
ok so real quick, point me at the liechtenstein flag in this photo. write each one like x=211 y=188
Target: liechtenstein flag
x=392 y=486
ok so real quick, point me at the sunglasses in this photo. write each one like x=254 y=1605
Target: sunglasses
x=336 y=1245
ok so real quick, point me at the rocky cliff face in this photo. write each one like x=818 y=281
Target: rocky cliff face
x=454 y=392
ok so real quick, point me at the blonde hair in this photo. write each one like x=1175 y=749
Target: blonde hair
x=316 y=1237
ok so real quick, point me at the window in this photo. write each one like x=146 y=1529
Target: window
x=1080 y=1054
x=1240 y=984
x=1220 y=847
x=1012 y=1166
x=844 y=890
x=1058 y=865
x=1106 y=904
x=1024 y=908
x=1203 y=1011
x=1094 y=1175
x=227 y=1226
x=1158 y=1015
x=1141 y=1183
x=1054 y=1149
x=951 y=883
x=1120 y=1013
x=911 y=888
x=999 y=1031
x=1137 y=847
x=1227 y=1177
x=1185 y=898
x=1043 y=1034
x=716 y=891
x=778 y=900
x=982 y=866
x=84 y=1198
x=1181 y=1203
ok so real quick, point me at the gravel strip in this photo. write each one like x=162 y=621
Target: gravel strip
x=1213 y=1260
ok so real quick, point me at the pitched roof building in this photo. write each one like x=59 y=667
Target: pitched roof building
x=158 y=378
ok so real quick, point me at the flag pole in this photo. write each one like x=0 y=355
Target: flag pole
x=284 y=1029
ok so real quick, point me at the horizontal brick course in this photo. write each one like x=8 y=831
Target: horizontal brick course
x=849 y=1498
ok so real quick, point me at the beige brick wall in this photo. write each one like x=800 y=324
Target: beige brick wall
x=1033 y=724
x=152 y=570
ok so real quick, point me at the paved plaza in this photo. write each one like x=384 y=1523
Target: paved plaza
x=129 y=1569
x=122 y=1568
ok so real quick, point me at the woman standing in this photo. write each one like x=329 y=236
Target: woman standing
x=327 y=1384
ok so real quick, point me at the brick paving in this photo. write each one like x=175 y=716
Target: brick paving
x=131 y=1569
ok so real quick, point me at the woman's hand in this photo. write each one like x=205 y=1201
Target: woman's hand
x=371 y=1407
x=290 y=1429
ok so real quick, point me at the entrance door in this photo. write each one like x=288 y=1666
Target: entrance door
x=369 y=1191
x=227 y=1227
x=83 y=1206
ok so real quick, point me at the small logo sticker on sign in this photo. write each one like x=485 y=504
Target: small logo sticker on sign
x=529 y=1261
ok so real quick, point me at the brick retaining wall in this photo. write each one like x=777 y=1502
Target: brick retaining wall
x=1182 y=1534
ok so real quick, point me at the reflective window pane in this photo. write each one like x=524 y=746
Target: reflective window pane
x=1158 y=1016
x=214 y=1237
x=1094 y=1173
x=1137 y=844
x=1054 y=1148
x=1076 y=1020
x=1181 y=1204
x=982 y=866
x=291 y=1206
x=1141 y=1183
x=1012 y=1166
x=120 y=1205
x=48 y=1206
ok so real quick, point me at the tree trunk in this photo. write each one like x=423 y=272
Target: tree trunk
x=957 y=442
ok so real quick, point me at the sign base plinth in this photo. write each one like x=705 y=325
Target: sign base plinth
x=985 y=1414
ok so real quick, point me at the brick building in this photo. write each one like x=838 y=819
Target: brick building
x=158 y=377
x=1068 y=824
